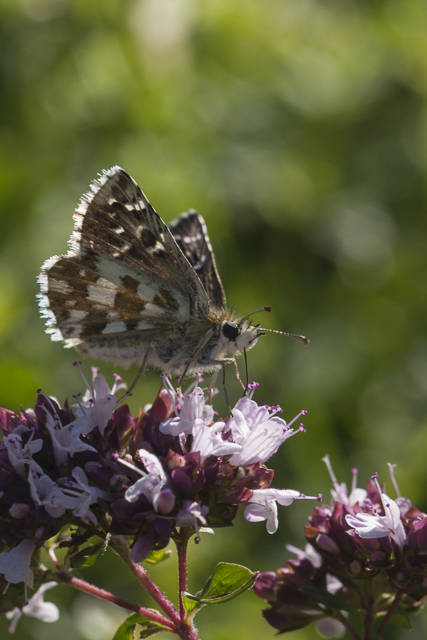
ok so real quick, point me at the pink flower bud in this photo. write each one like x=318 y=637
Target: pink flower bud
x=19 y=510
x=166 y=501
x=355 y=567
x=327 y=544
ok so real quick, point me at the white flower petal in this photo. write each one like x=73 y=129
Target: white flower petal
x=15 y=564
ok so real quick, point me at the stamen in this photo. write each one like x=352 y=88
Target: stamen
x=301 y=413
x=78 y=365
x=170 y=391
x=117 y=381
x=81 y=407
x=55 y=412
x=95 y=371
x=393 y=479
x=385 y=506
x=193 y=385
x=354 y=479
x=252 y=386
x=327 y=461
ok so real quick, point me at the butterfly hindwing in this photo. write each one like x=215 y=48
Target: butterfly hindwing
x=191 y=235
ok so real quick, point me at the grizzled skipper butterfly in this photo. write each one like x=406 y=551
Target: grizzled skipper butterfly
x=131 y=289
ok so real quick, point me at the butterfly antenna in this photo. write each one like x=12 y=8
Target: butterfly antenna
x=268 y=309
x=302 y=339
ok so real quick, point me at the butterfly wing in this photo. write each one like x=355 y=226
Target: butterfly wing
x=191 y=235
x=124 y=281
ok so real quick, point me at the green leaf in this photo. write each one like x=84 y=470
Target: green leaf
x=87 y=556
x=126 y=631
x=190 y=602
x=158 y=556
x=227 y=581
x=401 y=621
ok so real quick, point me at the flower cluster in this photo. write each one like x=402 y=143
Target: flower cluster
x=149 y=478
x=366 y=555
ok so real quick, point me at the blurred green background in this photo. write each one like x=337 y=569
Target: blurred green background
x=298 y=129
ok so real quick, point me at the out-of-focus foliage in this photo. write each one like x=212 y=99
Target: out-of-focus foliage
x=297 y=128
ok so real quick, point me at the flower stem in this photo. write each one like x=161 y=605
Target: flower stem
x=65 y=578
x=149 y=585
x=181 y=546
x=187 y=632
x=389 y=613
x=368 y=623
x=352 y=631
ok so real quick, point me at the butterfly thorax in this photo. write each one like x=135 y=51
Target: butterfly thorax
x=218 y=333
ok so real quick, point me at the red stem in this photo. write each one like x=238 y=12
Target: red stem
x=187 y=632
x=181 y=546
x=389 y=613
x=148 y=584
x=349 y=627
x=62 y=576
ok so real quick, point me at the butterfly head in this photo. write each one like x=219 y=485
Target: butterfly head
x=242 y=336
x=239 y=336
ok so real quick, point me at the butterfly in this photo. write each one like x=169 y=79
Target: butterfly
x=131 y=289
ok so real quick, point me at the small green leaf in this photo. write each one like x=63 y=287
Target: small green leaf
x=126 y=631
x=190 y=603
x=227 y=581
x=158 y=556
x=401 y=621
x=87 y=556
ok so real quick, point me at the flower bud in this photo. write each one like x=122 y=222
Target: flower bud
x=265 y=586
x=142 y=549
x=326 y=543
x=19 y=510
x=355 y=567
x=166 y=501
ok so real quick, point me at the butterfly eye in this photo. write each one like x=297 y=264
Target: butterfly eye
x=230 y=330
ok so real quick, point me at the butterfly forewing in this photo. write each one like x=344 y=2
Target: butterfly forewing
x=191 y=235
x=124 y=280
x=119 y=223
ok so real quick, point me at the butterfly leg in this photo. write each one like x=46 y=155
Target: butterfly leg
x=222 y=363
x=140 y=373
x=245 y=390
x=224 y=387
x=203 y=342
x=236 y=369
